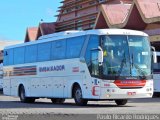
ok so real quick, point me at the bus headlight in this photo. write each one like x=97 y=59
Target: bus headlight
x=108 y=95
x=147 y=90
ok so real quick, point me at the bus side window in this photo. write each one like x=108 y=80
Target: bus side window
x=8 y=57
x=74 y=46
x=19 y=55
x=44 y=52
x=5 y=56
x=92 y=44
x=31 y=54
x=58 y=50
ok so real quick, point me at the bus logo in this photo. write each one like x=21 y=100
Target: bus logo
x=52 y=68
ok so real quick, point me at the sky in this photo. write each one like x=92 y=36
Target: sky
x=17 y=15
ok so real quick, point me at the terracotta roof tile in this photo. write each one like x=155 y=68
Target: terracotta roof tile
x=116 y=14
x=31 y=34
x=149 y=10
x=45 y=28
x=122 y=15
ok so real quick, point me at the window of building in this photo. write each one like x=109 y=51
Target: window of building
x=92 y=25
x=78 y=7
x=92 y=3
x=68 y=10
x=79 y=25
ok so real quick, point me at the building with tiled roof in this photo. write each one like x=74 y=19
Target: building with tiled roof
x=141 y=15
x=33 y=33
x=45 y=28
x=137 y=15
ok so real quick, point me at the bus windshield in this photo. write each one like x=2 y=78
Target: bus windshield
x=126 y=55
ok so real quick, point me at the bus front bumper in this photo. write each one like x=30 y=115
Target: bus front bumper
x=125 y=93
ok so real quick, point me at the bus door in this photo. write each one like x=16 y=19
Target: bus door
x=95 y=73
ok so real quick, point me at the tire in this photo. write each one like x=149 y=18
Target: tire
x=78 y=97
x=23 y=98
x=121 y=102
x=58 y=100
x=156 y=94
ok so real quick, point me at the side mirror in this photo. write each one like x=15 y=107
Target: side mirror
x=154 y=54
x=154 y=57
x=100 y=55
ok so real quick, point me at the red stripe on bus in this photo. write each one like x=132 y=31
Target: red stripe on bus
x=130 y=83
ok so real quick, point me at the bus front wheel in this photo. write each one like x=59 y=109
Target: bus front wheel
x=23 y=97
x=121 y=102
x=78 y=97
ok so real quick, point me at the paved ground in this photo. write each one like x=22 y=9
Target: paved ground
x=11 y=105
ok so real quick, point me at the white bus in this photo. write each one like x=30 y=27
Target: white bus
x=105 y=64
x=1 y=76
x=156 y=75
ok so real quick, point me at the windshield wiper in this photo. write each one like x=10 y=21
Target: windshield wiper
x=122 y=65
x=138 y=68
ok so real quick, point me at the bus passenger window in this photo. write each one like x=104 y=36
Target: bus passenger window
x=31 y=54
x=74 y=46
x=19 y=55
x=58 y=50
x=44 y=50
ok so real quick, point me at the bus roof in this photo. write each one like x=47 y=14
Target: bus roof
x=75 y=33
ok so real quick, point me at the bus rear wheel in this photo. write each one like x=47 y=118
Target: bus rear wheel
x=78 y=97
x=23 y=97
x=57 y=100
x=121 y=102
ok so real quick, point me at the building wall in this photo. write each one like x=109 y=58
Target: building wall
x=153 y=30
x=155 y=38
x=152 y=26
x=81 y=14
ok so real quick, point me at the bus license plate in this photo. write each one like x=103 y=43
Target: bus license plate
x=131 y=93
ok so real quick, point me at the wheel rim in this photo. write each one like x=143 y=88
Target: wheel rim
x=78 y=95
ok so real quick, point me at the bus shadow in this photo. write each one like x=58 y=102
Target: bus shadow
x=145 y=100
x=19 y=105
x=1 y=93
